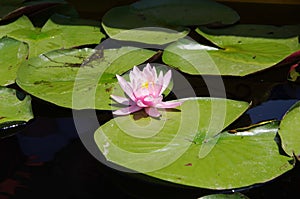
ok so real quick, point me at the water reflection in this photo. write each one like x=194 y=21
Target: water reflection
x=282 y=97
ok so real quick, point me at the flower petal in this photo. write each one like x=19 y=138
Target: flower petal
x=166 y=81
x=148 y=73
x=168 y=104
x=134 y=73
x=140 y=103
x=126 y=87
x=121 y=100
x=153 y=112
x=154 y=73
x=127 y=110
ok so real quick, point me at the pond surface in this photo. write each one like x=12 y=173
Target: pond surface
x=48 y=160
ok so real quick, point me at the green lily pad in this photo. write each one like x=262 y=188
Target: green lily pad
x=126 y=23
x=57 y=33
x=237 y=160
x=14 y=107
x=59 y=76
x=232 y=55
x=151 y=145
x=20 y=23
x=289 y=132
x=154 y=22
x=12 y=54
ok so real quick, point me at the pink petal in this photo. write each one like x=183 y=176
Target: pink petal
x=127 y=110
x=166 y=81
x=121 y=100
x=159 y=83
x=154 y=73
x=134 y=74
x=140 y=103
x=126 y=87
x=168 y=104
x=152 y=101
x=154 y=89
x=153 y=112
x=148 y=75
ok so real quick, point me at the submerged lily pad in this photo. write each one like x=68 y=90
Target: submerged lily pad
x=237 y=160
x=289 y=132
x=161 y=22
x=59 y=76
x=14 y=8
x=15 y=107
x=256 y=31
x=233 y=55
x=12 y=54
x=187 y=13
x=7 y=6
x=57 y=33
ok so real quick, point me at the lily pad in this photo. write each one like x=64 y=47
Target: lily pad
x=149 y=145
x=14 y=107
x=154 y=22
x=12 y=54
x=237 y=160
x=20 y=23
x=289 y=132
x=57 y=33
x=78 y=78
x=232 y=55
x=126 y=23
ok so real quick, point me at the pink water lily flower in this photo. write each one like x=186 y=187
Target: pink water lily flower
x=144 y=91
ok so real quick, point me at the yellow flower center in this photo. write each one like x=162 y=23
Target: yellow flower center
x=145 y=84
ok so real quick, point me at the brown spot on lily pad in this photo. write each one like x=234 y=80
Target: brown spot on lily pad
x=108 y=90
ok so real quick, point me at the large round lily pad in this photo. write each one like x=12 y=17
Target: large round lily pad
x=238 y=158
x=242 y=159
x=126 y=23
x=161 y=22
x=232 y=54
x=61 y=77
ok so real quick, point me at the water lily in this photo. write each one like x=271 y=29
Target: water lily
x=144 y=91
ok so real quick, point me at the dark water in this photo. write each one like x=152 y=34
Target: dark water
x=48 y=160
